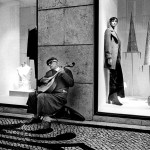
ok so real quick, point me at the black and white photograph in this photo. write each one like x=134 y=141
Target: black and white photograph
x=75 y=74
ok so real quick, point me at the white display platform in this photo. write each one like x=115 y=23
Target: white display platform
x=132 y=105
x=19 y=93
x=15 y=97
x=13 y=100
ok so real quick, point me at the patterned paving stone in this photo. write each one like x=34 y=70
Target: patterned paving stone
x=14 y=134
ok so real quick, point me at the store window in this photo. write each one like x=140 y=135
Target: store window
x=17 y=70
x=133 y=33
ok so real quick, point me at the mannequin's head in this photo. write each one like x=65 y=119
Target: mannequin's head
x=113 y=21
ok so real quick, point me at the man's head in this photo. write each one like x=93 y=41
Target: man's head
x=52 y=63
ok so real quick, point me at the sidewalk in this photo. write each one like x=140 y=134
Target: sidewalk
x=74 y=135
x=88 y=123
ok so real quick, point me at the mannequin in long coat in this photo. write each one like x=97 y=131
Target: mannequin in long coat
x=112 y=51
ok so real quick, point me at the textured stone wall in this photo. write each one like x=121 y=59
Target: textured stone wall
x=65 y=31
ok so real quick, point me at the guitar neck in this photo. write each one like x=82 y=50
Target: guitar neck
x=49 y=78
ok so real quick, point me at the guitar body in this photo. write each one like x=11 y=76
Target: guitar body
x=49 y=87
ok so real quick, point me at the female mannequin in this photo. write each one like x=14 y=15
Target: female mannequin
x=112 y=50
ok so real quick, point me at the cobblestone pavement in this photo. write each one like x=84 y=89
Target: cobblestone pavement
x=14 y=134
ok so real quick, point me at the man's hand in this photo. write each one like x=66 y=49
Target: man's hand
x=44 y=80
x=110 y=61
x=61 y=70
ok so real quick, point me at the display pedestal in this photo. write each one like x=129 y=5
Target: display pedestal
x=15 y=97
x=19 y=93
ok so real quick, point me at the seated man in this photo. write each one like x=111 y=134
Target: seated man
x=46 y=102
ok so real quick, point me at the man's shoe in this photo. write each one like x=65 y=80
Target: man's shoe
x=46 y=124
x=33 y=120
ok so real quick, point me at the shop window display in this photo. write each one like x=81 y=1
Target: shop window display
x=133 y=31
x=17 y=69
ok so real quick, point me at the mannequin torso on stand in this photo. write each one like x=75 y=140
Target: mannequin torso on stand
x=24 y=72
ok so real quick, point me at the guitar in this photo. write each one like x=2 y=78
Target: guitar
x=50 y=84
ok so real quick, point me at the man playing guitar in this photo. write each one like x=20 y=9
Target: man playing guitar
x=52 y=92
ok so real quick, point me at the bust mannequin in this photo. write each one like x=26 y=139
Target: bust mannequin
x=24 y=72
